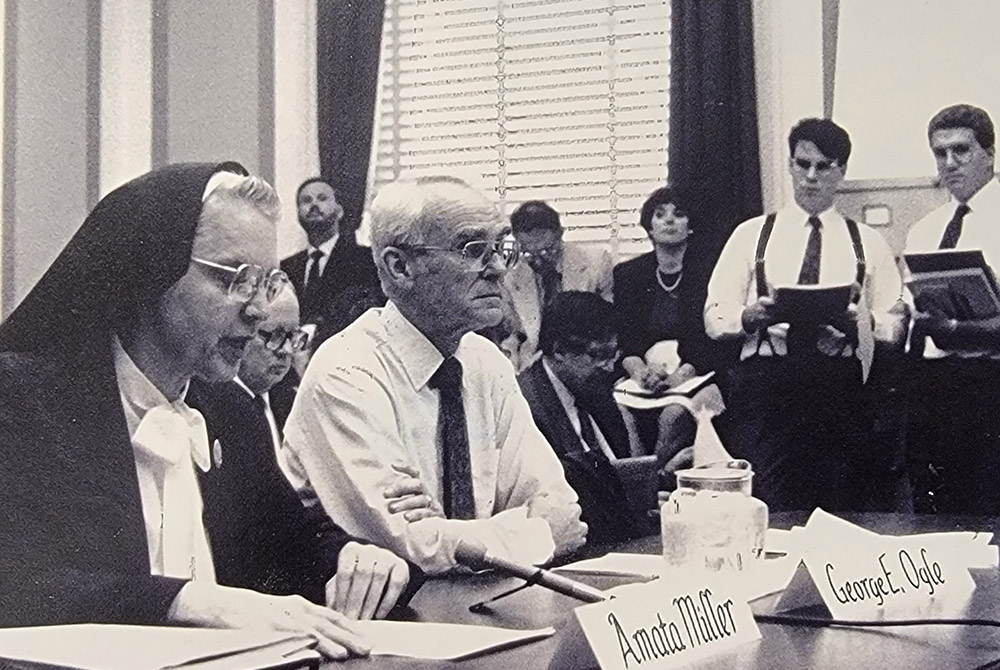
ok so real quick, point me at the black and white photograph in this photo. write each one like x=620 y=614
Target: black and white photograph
x=557 y=334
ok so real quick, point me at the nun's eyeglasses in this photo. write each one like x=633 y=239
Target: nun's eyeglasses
x=248 y=278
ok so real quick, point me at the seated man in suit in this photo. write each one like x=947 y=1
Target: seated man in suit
x=262 y=537
x=333 y=272
x=410 y=389
x=551 y=265
x=569 y=392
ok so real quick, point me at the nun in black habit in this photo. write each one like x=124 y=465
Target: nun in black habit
x=74 y=545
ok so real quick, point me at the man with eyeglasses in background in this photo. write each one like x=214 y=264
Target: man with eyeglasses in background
x=551 y=265
x=797 y=406
x=954 y=424
x=409 y=396
x=262 y=536
x=569 y=391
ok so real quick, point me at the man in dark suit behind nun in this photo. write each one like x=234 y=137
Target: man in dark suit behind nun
x=262 y=536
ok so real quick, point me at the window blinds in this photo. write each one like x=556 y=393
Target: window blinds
x=565 y=101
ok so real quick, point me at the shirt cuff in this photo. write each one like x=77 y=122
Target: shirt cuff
x=513 y=536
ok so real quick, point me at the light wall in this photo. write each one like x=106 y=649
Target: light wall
x=99 y=91
x=896 y=63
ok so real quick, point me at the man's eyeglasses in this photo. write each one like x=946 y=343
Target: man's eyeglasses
x=480 y=252
x=275 y=340
x=961 y=153
x=544 y=254
x=248 y=278
x=822 y=167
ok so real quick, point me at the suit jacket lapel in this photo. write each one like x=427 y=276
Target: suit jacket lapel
x=555 y=424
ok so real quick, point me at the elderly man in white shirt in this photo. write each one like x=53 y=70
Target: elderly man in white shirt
x=801 y=420
x=411 y=390
x=954 y=423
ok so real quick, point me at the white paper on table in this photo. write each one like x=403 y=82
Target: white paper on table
x=769 y=576
x=442 y=641
x=647 y=566
x=120 y=647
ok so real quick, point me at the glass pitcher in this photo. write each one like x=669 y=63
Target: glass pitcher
x=711 y=521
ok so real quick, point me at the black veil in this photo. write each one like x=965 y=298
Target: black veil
x=134 y=245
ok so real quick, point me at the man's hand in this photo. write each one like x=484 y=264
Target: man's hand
x=936 y=302
x=847 y=322
x=368 y=582
x=682 y=460
x=408 y=496
x=656 y=378
x=569 y=533
x=214 y=606
x=760 y=314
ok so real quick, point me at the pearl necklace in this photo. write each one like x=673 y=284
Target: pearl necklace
x=668 y=289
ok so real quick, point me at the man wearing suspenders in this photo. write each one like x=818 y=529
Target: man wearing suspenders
x=800 y=417
x=954 y=431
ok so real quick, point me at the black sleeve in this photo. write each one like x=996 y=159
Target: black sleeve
x=38 y=596
x=72 y=536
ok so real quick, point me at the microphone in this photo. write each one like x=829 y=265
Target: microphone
x=475 y=557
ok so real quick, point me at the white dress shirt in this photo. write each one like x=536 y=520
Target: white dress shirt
x=569 y=406
x=168 y=439
x=980 y=230
x=733 y=285
x=364 y=405
x=326 y=248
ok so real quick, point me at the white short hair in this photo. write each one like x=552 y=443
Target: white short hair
x=248 y=188
x=407 y=211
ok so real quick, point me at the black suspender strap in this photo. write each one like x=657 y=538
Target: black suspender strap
x=761 y=278
x=758 y=259
x=859 y=254
x=765 y=236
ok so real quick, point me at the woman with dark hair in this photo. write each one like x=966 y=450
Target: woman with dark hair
x=167 y=279
x=659 y=305
x=655 y=299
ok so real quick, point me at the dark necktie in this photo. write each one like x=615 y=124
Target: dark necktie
x=587 y=430
x=595 y=457
x=809 y=274
x=312 y=279
x=459 y=502
x=262 y=406
x=551 y=284
x=803 y=337
x=954 y=230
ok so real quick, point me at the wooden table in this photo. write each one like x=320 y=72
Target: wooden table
x=781 y=646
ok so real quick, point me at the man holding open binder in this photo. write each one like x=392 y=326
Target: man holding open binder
x=954 y=430
x=796 y=287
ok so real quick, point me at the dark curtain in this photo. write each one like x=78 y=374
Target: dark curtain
x=713 y=112
x=713 y=126
x=349 y=40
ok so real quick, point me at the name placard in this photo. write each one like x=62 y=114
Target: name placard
x=666 y=623
x=863 y=575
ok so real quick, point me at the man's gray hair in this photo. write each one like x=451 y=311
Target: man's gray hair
x=407 y=211
x=251 y=189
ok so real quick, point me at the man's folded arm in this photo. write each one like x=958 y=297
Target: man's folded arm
x=344 y=432
x=531 y=477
